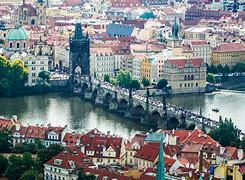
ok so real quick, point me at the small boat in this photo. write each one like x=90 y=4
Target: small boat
x=215 y=110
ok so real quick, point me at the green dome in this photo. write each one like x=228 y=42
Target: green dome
x=17 y=34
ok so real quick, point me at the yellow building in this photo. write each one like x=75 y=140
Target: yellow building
x=185 y=75
x=222 y=171
x=228 y=54
x=145 y=68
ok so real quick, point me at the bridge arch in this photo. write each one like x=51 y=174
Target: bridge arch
x=138 y=111
x=107 y=98
x=155 y=116
x=173 y=122
x=122 y=104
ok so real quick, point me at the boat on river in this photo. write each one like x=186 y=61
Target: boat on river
x=215 y=110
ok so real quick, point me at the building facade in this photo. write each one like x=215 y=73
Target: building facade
x=185 y=75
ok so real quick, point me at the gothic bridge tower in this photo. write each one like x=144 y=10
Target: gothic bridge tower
x=79 y=53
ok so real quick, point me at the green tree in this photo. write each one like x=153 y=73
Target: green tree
x=30 y=175
x=227 y=134
x=106 y=78
x=123 y=79
x=5 y=140
x=1 y=41
x=44 y=75
x=15 y=168
x=191 y=126
x=46 y=154
x=162 y=83
x=212 y=69
x=145 y=82
x=82 y=176
x=134 y=84
x=182 y=124
x=226 y=70
x=243 y=143
x=3 y=164
x=220 y=69
x=173 y=123
x=210 y=78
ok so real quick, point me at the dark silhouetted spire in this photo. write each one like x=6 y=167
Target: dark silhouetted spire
x=175 y=30
x=78 y=34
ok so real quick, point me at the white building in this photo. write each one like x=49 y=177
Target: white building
x=201 y=49
x=35 y=65
x=102 y=62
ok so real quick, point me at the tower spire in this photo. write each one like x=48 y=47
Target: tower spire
x=160 y=165
x=78 y=34
x=175 y=30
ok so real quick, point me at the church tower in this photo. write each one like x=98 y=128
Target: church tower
x=41 y=7
x=79 y=52
x=174 y=41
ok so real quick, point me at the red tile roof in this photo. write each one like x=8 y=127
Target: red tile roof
x=199 y=137
x=180 y=63
x=229 y=47
x=30 y=9
x=180 y=134
x=71 y=138
x=199 y=42
x=70 y=158
x=138 y=138
x=150 y=151
x=97 y=140
x=6 y=124
x=105 y=173
x=35 y=132
x=192 y=148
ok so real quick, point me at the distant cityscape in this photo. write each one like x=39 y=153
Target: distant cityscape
x=128 y=58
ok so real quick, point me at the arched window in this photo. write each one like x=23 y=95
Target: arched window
x=192 y=77
x=32 y=21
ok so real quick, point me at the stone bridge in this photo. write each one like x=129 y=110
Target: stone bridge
x=131 y=104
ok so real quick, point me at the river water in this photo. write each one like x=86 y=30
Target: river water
x=79 y=115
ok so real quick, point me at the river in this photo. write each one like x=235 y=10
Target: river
x=79 y=115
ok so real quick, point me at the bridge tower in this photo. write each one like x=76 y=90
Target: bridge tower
x=79 y=52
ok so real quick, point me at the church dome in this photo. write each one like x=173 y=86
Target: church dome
x=17 y=34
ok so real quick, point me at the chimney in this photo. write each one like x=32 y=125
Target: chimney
x=17 y=126
x=108 y=133
x=14 y=117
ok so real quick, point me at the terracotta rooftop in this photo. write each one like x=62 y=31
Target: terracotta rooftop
x=229 y=47
x=70 y=158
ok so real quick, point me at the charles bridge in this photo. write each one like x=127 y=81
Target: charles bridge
x=141 y=108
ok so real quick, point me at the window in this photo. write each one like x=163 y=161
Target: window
x=196 y=84
x=33 y=68
x=33 y=62
x=10 y=45
x=24 y=45
x=18 y=45
x=33 y=74
x=180 y=85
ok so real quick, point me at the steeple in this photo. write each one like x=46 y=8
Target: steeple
x=78 y=34
x=160 y=165
x=175 y=30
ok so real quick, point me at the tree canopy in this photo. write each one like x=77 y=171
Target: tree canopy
x=162 y=83
x=145 y=82
x=3 y=164
x=106 y=78
x=5 y=140
x=12 y=77
x=210 y=78
x=123 y=79
x=227 y=134
x=134 y=84
x=30 y=175
x=44 y=75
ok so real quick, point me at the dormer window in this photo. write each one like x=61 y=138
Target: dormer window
x=57 y=161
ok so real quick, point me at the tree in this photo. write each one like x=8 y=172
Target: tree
x=227 y=134
x=210 y=78
x=3 y=164
x=12 y=77
x=191 y=126
x=220 y=69
x=1 y=41
x=226 y=70
x=134 y=84
x=123 y=79
x=106 y=78
x=5 y=140
x=15 y=168
x=82 y=176
x=212 y=69
x=182 y=124
x=46 y=154
x=44 y=75
x=162 y=84
x=30 y=175
x=173 y=123
x=243 y=143
x=145 y=82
